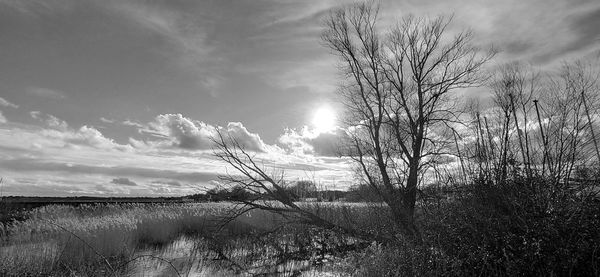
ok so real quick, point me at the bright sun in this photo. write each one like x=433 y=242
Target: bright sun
x=324 y=119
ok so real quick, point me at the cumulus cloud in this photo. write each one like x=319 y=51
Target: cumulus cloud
x=56 y=153
x=186 y=133
x=310 y=142
x=60 y=133
x=59 y=159
x=2 y=118
x=54 y=122
x=123 y=181
x=85 y=136
x=6 y=103
x=50 y=120
x=246 y=139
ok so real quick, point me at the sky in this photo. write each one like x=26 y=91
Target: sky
x=117 y=98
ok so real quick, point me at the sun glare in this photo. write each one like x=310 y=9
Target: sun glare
x=324 y=119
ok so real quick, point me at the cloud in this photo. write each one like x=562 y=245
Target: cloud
x=303 y=11
x=61 y=133
x=50 y=120
x=85 y=136
x=106 y=120
x=186 y=34
x=310 y=142
x=586 y=25
x=186 y=133
x=46 y=92
x=172 y=24
x=39 y=7
x=160 y=162
x=183 y=132
x=77 y=161
x=55 y=122
x=123 y=181
x=34 y=165
x=132 y=123
x=35 y=115
x=247 y=140
x=6 y=103
x=172 y=183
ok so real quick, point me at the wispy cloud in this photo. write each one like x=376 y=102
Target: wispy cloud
x=172 y=183
x=132 y=123
x=38 y=7
x=106 y=120
x=46 y=92
x=187 y=34
x=6 y=103
x=175 y=25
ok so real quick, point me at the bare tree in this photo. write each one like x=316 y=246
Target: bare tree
x=541 y=125
x=514 y=88
x=570 y=140
x=398 y=93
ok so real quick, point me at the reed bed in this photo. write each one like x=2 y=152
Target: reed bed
x=145 y=240
x=61 y=238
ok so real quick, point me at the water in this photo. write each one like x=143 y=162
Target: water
x=194 y=257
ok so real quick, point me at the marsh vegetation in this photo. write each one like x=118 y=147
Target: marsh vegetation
x=161 y=240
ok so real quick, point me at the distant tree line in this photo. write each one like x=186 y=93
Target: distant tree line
x=298 y=191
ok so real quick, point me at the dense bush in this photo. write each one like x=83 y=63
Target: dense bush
x=524 y=227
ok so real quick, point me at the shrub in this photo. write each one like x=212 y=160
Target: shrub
x=527 y=227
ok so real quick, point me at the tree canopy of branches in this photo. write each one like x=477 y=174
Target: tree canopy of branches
x=540 y=125
x=397 y=91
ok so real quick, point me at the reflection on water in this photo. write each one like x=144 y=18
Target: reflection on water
x=195 y=257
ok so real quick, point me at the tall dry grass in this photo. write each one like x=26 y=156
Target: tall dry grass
x=142 y=239
x=66 y=238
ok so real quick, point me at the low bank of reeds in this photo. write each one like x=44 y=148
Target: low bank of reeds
x=88 y=238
